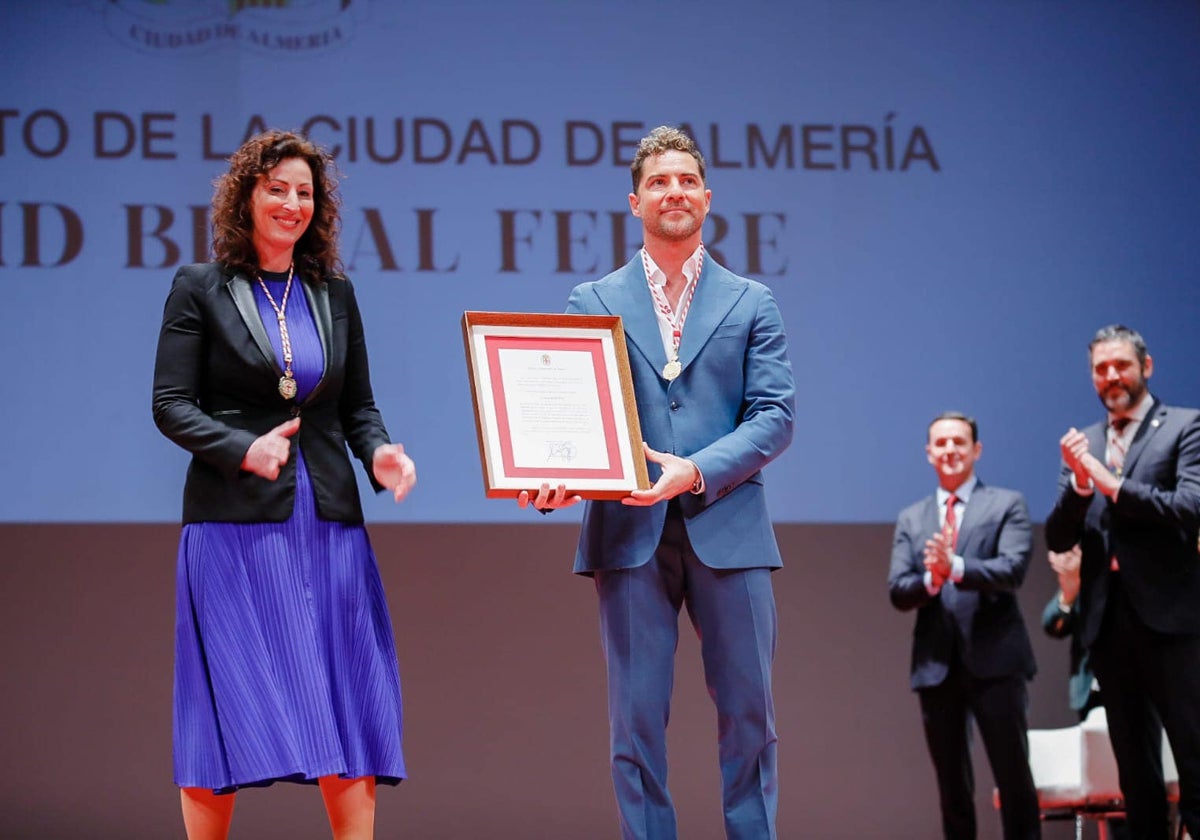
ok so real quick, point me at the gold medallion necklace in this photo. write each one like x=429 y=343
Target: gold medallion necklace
x=287 y=382
x=673 y=367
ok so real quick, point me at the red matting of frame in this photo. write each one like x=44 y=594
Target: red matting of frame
x=594 y=347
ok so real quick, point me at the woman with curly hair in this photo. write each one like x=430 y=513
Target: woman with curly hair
x=285 y=665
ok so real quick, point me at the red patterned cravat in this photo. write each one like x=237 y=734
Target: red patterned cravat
x=1116 y=460
x=1116 y=444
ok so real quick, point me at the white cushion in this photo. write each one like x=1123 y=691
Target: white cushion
x=1101 y=783
x=1055 y=758
x=1074 y=767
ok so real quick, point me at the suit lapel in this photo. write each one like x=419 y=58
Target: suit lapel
x=630 y=296
x=715 y=296
x=243 y=299
x=1097 y=441
x=930 y=517
x=972 y=511
x=318 y=304
x=1154 y=419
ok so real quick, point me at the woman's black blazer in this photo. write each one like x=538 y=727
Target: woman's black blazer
x=216 y=390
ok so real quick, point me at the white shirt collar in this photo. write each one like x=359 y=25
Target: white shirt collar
x=658 y=277
x=1138 y=414
x=963 y=493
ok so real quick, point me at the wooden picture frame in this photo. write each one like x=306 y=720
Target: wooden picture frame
x=554 y=404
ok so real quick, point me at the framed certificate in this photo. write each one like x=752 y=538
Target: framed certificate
x=554 y=404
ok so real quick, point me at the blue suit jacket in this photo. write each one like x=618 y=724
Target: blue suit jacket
x=978 y=619
x=1151 y=528
x=730 y=411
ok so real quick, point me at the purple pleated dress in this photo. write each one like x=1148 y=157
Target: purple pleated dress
x=285 y=665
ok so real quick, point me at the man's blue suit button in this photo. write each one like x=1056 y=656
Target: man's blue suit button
x=674 y=405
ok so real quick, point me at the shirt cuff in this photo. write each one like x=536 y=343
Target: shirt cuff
x=1081 y=491
x=958 y=567
x=929 y=587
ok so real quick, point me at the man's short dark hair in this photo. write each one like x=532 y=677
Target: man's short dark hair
x=1120 y=332
x=956 y=415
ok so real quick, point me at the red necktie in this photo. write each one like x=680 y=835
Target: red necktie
x=950 y=529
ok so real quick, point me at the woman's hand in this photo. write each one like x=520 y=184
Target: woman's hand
x=394 y=469
x=271 y=451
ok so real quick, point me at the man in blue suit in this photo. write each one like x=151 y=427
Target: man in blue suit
x=958 y=557
x=715 y=399
x=1129 y=494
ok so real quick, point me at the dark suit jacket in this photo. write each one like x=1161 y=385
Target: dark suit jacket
x=1151 y=528
x=976 y=620
x=215 y=391
x=730 y=411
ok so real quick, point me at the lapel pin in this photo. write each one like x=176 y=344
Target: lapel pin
x=1155 y=423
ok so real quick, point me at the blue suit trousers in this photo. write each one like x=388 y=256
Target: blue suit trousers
x=733 y=613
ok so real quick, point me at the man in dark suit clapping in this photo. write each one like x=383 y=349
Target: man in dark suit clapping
x=958 y=557
x=1129 y=493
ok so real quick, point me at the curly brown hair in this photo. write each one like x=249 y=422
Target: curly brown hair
x=665 y=138
x=316 y=253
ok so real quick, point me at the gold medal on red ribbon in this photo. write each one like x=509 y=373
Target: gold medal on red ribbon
x=667 y=314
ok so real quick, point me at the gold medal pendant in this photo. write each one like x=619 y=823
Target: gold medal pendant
x=287 y=382
x=672 y=369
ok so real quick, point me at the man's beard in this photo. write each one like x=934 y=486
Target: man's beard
x=1121 y=397
x=677 y=229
